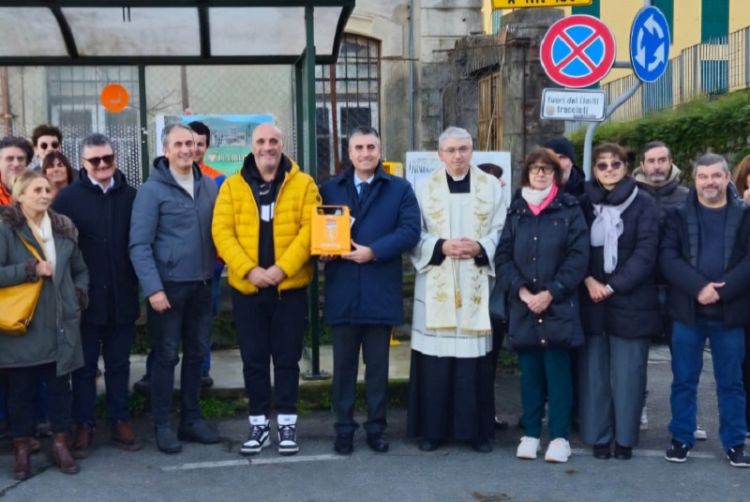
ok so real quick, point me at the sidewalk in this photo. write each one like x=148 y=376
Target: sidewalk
x=226 y=369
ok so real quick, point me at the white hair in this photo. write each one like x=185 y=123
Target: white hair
x=453 y=133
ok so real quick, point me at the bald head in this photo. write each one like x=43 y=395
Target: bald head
x=267 y=146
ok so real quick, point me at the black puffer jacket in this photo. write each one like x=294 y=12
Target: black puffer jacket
x=548 y=251
x=633 y=310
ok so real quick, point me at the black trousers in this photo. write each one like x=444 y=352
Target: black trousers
x=271 y=326
x=22 y=383
x=374 y=341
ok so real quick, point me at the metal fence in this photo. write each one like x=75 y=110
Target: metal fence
x=68 y=97
x=718 y=67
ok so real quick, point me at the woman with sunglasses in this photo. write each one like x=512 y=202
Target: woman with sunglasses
x=56 y=167
x=541 y=260
x=620 y=309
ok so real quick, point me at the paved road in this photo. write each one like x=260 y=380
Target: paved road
x=454 y=473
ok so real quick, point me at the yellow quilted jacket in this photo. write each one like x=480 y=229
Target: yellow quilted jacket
x=236 y=229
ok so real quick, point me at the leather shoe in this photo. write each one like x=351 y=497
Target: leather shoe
x=22 y=451
x=166 y=440
x=124 y=438
x=198 y=432
x=623 y=452
x=602 y=451
x=344 y=444
x=429 y=445
x=84 y=441
x=61 y=454
x=377 y=443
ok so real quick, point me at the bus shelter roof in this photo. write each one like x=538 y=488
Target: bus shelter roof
x=54 y=32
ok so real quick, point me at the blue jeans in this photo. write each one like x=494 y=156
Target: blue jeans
x=187 y=321
x=114 y=343
x=727 y=352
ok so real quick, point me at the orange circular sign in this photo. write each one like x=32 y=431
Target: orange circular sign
x=114 y=97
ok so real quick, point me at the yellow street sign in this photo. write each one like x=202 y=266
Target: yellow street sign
x=515 y=4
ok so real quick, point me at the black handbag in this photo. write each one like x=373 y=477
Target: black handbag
x=498 y=304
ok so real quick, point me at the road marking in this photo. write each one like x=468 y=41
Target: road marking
x=650 y=453
x=191 y=466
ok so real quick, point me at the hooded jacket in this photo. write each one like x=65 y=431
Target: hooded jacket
x=550 y=252
x=236 y=226
x=670 y=195
x=103 y=223
x=54 y=335
x=170 y=231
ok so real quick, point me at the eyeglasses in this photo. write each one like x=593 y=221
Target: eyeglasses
x=603 y=166
x=54 y=145
x=541 y=169
x=107 y=159
x=463 y=150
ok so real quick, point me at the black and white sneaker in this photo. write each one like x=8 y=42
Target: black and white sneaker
x=678 y=452
x=288 y=439
x=737 y=457
x=259 y=438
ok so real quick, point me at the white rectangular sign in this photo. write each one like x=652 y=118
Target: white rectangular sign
x=568 y=104
x=420 y=165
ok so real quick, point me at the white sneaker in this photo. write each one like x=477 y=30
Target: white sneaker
x=259 y=437
x=644 y=419
x=528 y=448
x=700 y=433
x=558 y=451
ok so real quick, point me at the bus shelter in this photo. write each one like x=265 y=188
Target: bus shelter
x=147 y=33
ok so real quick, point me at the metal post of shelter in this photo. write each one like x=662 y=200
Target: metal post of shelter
x=309 y=157
x=143 y=115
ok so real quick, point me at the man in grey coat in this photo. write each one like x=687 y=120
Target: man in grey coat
x=173 y=256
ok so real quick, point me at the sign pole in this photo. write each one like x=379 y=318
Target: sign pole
x=589 y=139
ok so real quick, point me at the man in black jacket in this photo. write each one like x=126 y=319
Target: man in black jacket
x=705 y=257
x=658 y=176
x=99 y=202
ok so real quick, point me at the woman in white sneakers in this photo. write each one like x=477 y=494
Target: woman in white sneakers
x=541 y=261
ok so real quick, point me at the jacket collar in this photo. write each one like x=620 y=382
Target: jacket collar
x=14 y=218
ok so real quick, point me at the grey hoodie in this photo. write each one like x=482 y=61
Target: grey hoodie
x=669 y=195
x=170 y=231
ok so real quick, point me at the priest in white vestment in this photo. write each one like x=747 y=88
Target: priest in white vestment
x=451 y=385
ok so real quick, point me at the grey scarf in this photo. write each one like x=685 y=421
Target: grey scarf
x=607 y=228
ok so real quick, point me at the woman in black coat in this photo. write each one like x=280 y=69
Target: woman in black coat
x=620 y=309
x=540 y=262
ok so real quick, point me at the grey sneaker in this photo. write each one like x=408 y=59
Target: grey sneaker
x=259 y=438
x=288 y=439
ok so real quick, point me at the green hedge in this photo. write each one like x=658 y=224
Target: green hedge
x=716 y=124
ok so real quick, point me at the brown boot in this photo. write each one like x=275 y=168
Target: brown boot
x=61 y=454
x=34 y=445
x=22 y=450
x=124 y=438
x=83 y=442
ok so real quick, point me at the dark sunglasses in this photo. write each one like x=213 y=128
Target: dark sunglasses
x=55 y=145
x=603 y=166
x=107 y=159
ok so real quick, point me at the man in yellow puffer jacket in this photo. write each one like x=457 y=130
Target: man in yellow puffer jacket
x=261 y=229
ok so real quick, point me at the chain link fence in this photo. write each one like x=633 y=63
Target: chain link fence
x=68 y=97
